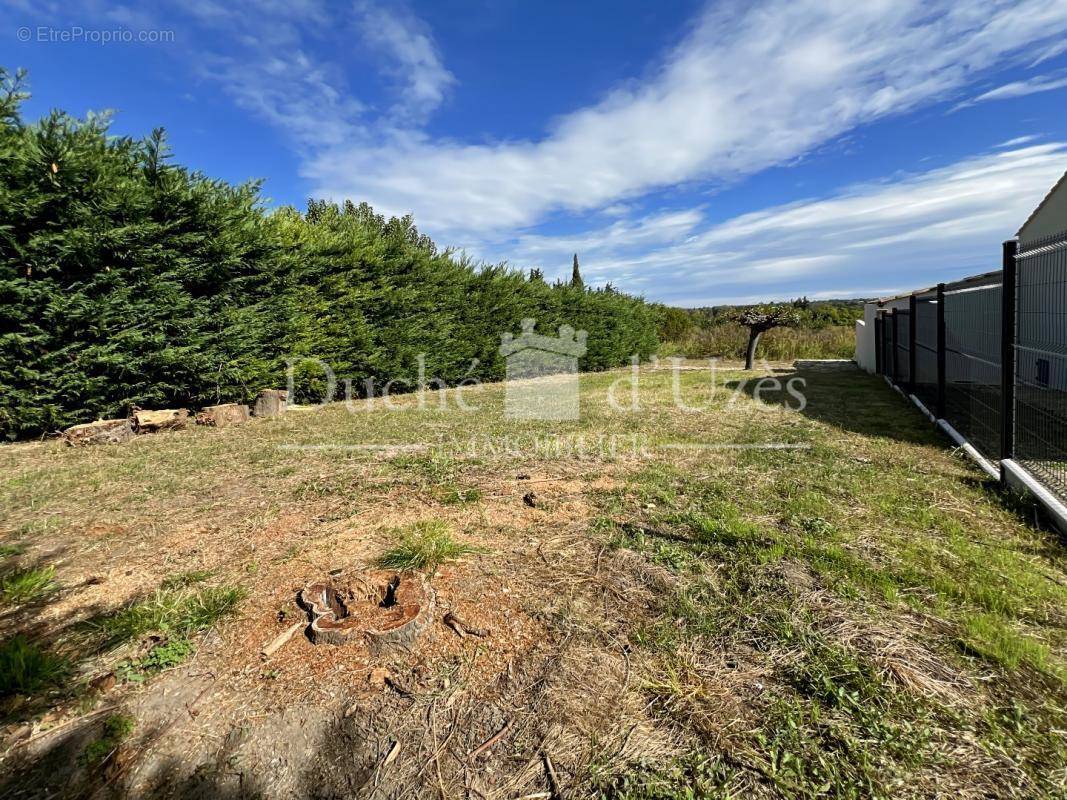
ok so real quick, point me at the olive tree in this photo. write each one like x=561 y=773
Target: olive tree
x=759 y=320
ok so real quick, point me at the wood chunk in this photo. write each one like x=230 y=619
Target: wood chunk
x=104 y=683
x=279 y=641
x=223 y=415
x=162 y=420
x=379 y=677
x=104 y=431
x=461 y=628
x=271 y=403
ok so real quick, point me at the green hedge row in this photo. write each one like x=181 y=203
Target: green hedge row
x=128 y=280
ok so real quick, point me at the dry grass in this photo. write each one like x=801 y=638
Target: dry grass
x=860 y=618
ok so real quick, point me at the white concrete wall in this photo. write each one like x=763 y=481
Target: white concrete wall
x=866 y=357
x=865 y=352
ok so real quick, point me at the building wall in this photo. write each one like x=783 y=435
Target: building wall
x=865 y=353
x=866 y=357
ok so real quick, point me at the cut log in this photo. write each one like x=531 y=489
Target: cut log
x=271 y=403
x=223 y=415
x=165 y=419
x=104 y=431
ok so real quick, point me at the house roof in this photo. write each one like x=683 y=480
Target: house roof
x=962 y=283
x=977 y=280
x=1061 y=183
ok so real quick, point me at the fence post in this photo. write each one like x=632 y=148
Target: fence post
x=896 y=350
x=941 y=347
x=1007 y=351
x=913 y=303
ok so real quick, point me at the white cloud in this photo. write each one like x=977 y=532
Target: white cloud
x=416 y=62
x=1048 y=52
x=1039 y=83
x=907 y=233
x=287 y=61
x=290 y=91
x=276 y=75
x=1018 y=141
x=749 y=87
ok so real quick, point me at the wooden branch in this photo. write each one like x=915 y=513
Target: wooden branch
x=280 y=640
x=496 y=737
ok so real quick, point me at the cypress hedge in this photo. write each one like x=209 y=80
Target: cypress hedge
x=128 y=280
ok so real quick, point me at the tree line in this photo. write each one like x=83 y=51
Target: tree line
x=798 y=328
x=811 y=315
x=129 y=280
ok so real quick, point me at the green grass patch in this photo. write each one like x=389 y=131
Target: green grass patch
x=429 y=468
x=183 y=579
x=116 y=729
x=988 y=636
x=179 y=612
x=27 y=669
x=166 y=655
x=992 y=588
x=23 y=585
x=458 y=495
x=687 y=778
x=424 y=546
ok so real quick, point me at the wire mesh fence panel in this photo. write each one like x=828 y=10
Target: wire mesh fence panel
x=903 y=344
x=1041 y=362
x=924 y=382
x=972 y=363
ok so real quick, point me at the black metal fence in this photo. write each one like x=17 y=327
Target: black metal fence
x=924 y=308
x=989 y=356
x=973 y=378
x=1040 y=440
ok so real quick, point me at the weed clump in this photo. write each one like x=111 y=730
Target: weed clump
x=27 y=669
x=170 y=612
x=163 y=656
x=23 y=585
x=117 y=728
x=425 y=546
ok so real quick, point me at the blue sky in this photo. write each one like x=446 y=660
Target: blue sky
x=695 y=153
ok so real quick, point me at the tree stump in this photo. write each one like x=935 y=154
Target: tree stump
x=223 y=415
x=271 y=403
x=162 y=420
x=104 y=431
x=388 y=611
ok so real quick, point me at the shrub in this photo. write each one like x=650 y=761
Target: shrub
x=126 y=279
